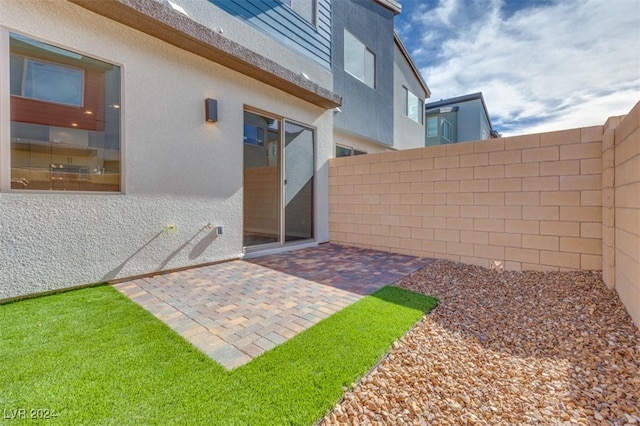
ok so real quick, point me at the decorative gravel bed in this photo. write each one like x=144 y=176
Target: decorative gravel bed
x=506 y=348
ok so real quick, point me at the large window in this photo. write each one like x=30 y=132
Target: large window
x=359 y=61
x=413 y=106
x=65 y=119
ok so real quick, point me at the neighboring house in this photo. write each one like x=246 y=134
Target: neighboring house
x=460 y=119
x=410 y=92
x=380 y=86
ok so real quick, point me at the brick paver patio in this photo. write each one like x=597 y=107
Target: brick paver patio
x=237 y=310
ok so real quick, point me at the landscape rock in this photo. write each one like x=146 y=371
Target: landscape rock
x=505 y=348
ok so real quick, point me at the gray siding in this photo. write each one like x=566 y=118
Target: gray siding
x=366 y=112
x=281 y=23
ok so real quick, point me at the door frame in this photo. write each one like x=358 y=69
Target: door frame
x=281 y=243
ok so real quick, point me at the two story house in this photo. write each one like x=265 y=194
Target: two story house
x=147 y=135
x=383 y=92
x=460 y=119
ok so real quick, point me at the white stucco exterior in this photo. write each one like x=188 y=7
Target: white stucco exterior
x=357 y=142
x=177 y=168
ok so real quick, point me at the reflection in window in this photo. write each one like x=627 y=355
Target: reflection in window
x=359 y=61
x=343 y=151
x=446 y=130
x=413 y=106
x=432 y=127
x=346 y=151
x=253 y=135
x=65 y=119
x=46 y=81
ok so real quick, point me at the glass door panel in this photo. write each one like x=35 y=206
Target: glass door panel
x=298 y=182
x=262 y=180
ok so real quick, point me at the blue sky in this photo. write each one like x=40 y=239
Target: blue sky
x=541 y=65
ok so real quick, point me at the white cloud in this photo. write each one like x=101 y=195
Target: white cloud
x=563 y=65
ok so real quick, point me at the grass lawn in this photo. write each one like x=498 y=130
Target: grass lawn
x=92 y=356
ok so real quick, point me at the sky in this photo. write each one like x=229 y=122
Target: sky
x=541 y=65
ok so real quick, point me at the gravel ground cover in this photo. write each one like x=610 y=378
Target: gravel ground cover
x=506 y=348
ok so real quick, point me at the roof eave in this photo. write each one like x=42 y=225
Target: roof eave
x=413 y=66
x=392 y=5
x=159 y=21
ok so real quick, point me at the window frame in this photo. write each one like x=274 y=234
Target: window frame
x=365 y=50
x=450 y=127
x=351 y=149
x=432 y=119
x=5 y=113
x=420 y=106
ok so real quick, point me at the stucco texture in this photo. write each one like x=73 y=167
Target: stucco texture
x=177 y=168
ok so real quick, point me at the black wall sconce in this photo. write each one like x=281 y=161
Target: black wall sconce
x=211 y=110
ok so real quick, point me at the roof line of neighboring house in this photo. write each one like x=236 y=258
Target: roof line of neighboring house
x=413 y=66
x=460 y=99
x=392 y=5
x=159 y=21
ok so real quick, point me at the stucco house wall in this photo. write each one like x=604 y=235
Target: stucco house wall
x=407 y=133
x=177 y=168
x=366 y=112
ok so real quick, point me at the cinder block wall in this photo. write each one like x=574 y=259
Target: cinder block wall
x=561 y=200
x=608 y=201
x=627 y=212
x=532 y=202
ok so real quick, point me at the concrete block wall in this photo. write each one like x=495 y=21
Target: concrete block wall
x=563 y=200
x=532 y=202
x=608 y=198
x=626 y=201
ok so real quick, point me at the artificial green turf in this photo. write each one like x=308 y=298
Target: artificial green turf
x=92 y=356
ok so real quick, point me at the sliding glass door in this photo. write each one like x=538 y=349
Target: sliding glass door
x=298 y=182
x=279 y=166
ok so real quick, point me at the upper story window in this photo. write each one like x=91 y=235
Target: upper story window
x=307 y=9
x=413 y=106
x=432 y=127
x=359 y=61
x=65 y=119
x=446 y=130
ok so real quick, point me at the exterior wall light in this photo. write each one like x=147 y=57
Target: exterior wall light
x=211 y=110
